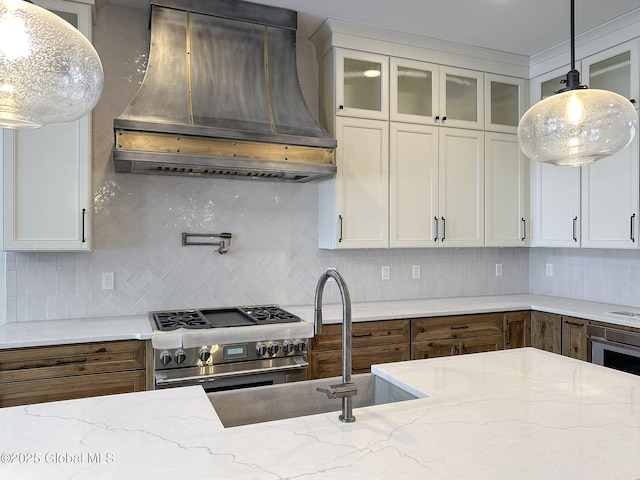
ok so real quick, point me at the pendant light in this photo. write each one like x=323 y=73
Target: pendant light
x=578 y=125
x=49 y=71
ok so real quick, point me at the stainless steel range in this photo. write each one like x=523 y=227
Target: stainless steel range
x=261 y=345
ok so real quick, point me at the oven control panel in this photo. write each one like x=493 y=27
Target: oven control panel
x=230 y=353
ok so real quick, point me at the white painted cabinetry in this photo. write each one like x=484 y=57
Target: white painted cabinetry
x=47 y=173
x=506 y=192
x=354 y=210
x=595 y=206
x=610 y=186
x=432 y=191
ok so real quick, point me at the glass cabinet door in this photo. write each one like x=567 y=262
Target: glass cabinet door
x=504 y=103
x=414 y=91
x=461 y=98
x=613 y=70
x=362 y=88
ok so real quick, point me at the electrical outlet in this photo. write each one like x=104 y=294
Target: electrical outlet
x=549 y=269
x=107 y=280
x=386 y=272
x=415 y=272
x=498 y=269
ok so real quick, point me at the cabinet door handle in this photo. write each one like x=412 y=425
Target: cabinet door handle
x=340 y=220
x=437 y=117
x=69 y=362
x=359 y=335
x=84 y=214
x=524 y=229
x=436 y=220
x=444 y=119
x=573 y=324
x=633 y=236
x=508 y=341
x=575 y=222
x=340 y=107
x=459 y=327
x=444 y=228
x=456 y=350
x=464 y=348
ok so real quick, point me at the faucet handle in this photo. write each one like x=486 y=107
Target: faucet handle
x=341 y=390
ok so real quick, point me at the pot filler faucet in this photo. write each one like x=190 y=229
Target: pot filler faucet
x=347 y=389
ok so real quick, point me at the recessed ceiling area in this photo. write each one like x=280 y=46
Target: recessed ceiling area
x=516 y=26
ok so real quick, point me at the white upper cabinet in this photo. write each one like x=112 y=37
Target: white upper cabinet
x=506 y=192
x=413 y=190
x=362 y=84
x=461 y=98
x=461 y=188
x=354 y=207
x=415 y=93
x=555 y=191
x=47 y=173
x=505 y=102
x=610 y=186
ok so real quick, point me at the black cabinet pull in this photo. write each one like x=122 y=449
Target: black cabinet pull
x=459 y=327
x=575 y=235
x=360 y=335
x=84 y=214
x=524 y=229
x=437 y=117
x=436 y=220
x=444 y=228
x=633 y=237
x=340 y=219
x=444 y=119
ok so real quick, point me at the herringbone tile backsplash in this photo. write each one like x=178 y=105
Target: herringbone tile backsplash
x=273 y=257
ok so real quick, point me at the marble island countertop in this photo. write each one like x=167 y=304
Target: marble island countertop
x=50 y=332
x=522 y=413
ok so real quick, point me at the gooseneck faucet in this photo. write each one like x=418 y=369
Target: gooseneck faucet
x=347 y=389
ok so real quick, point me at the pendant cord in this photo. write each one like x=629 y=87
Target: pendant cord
x=573 y=35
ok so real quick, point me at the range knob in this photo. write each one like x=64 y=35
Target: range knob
x=180 y=357
x=273 y=348
x=288 y=347
x=204 y=354
x=165 y=358
x=261 y=349
x=300 y=346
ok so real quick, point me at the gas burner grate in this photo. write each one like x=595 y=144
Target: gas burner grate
x=270 y=314
x=180 y=319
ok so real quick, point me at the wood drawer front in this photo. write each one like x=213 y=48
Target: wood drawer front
x=68 y=388
x=459 y=326
x=363 y=334
x=435 y=349
x=329 y=364
x=489 y=343
x=20 y=364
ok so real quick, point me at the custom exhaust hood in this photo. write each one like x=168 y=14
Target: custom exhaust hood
x=221 y=98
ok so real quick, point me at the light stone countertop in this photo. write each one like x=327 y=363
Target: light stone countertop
x=53 y=332
x=523 y=413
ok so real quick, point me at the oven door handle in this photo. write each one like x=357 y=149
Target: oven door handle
x=240 y=373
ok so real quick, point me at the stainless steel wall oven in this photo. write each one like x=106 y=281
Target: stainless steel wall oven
x=614 y=348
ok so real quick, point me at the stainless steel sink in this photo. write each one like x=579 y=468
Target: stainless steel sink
x=298 y=399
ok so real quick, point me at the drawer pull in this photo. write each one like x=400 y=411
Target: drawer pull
x=459 y=327
x=358 y=335
x=69 y=362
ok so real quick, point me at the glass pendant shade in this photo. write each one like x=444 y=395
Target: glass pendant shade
x=577 y=127
x=49 y=71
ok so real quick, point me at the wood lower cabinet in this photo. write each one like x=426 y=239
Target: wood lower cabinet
x=574 y=337
x=546 y=331
x=559 y=334
x=517 y=329
x=372 y=342
x=455 y=335
x=63 y=372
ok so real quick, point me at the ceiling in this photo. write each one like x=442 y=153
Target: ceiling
x=517 y=26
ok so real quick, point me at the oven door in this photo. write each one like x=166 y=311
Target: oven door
x=231 y=376
x=615 y=355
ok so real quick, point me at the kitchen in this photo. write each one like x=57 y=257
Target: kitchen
x=138 y=221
